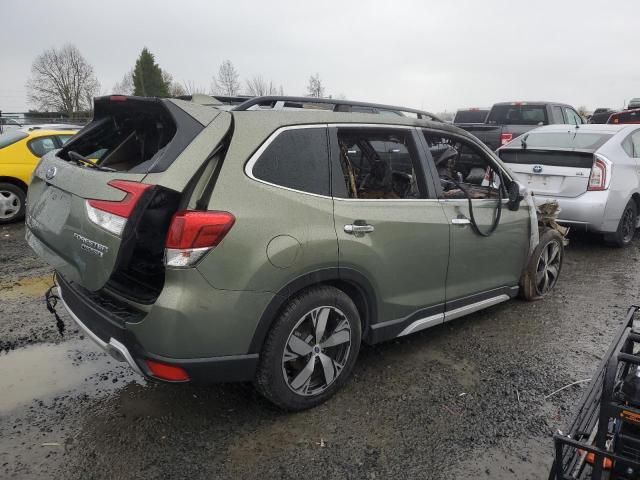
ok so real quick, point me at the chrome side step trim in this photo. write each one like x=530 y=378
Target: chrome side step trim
x=114 y=348
x=474 y=307
x=422 y=323
x=439 y=318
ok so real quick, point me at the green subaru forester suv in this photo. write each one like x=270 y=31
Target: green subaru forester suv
x=265 y=245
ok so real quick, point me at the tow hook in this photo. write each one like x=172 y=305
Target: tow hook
x=51 y=299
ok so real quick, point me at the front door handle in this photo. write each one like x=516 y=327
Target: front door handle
x=353 y=229
x=460 y=221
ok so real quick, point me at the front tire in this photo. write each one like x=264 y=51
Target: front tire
x=12 y=203
x=543 y=269
x=310 y=350
x=626 y=227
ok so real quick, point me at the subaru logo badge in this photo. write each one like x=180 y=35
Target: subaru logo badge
x=50 y=173
x=537 y=169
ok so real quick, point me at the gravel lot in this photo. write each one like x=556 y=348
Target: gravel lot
x=464 y=400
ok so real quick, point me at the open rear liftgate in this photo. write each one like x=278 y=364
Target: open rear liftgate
x=603 y=438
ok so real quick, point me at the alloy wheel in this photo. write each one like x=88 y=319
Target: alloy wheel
x=628 y=225
x=316 y=351
x=548 y=268
x=10 y=204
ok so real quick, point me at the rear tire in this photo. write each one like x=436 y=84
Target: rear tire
x=12 y=203
x=623 y=236
x=310 y=350
x=542 y=272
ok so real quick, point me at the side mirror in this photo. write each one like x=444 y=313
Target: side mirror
x=516 y=195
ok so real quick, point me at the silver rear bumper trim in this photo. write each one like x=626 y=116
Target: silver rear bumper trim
x=114 y=348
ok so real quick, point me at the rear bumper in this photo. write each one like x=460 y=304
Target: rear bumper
x=585 y=212
x=112 y=336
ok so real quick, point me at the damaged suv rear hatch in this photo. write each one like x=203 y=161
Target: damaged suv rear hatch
x=99 y=209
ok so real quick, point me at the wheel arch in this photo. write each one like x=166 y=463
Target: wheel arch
x=350 y=281
x=14 y=181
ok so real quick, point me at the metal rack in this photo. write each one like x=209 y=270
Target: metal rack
x=596 y=425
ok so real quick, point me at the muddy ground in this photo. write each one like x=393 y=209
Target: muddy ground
x=460 y=401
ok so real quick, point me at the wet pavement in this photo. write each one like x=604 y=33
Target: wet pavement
x=460 y=401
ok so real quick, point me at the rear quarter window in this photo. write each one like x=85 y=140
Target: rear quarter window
x=10 y=138
x=296 y=159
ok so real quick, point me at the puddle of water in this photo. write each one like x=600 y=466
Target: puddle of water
x=45 y=370
x=27 y=287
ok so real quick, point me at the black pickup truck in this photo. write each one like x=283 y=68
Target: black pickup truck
x=508 y=120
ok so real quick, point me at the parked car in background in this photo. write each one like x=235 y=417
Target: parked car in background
x=7 y=124
x=590 y=170
x=633 y=103
x=601 y=115
x=472 y=115
x=508 y=120
x=20 y=151
x=625 y=117
x=265 y=246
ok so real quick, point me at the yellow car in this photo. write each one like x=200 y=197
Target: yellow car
x=20 y=151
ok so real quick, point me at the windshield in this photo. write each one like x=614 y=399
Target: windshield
x=569 y=140
x=518 y=115
x=9 y=138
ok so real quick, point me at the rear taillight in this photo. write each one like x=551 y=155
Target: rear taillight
x=600 y=174
x=505 y=138
x=113 y=215
x=193 y=233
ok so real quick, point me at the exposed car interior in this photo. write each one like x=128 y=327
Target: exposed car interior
x=463 y=170
x=123 y=140
x=378 y=164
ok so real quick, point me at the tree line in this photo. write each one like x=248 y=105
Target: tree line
x=62 y=80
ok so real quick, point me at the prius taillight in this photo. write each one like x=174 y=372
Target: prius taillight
x=600 y=174
x=193 y=233
x=505 y=138
x=113 y=215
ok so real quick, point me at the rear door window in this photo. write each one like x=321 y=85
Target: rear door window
x=41 y=146
x=297 y=159
x=518 y=115
x=558 y=115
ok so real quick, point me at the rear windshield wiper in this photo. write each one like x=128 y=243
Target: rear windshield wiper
x=523 y=142
x=84 y=161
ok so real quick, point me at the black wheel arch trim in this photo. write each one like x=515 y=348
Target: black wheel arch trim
x=353 y=278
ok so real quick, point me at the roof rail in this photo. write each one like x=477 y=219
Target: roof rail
x=338 y=105
x=213 y=100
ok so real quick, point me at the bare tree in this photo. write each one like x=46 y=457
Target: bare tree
x=62 y=80
x=191 y=88
x=315 y=87
x=226 y=83
x=583 y=111
x=258 y=86
x=124 y=86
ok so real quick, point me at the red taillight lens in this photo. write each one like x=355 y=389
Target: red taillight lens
x=112 y=216
x=193 y=233
x=124 y=207
x=197 y=229
x=505 y=138
x=164 y=371
x=118 y=98
x=599 y=175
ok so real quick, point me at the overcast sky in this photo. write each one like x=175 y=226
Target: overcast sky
x=436 y=55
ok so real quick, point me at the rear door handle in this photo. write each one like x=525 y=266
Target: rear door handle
x=460 y=221
x=352 y=229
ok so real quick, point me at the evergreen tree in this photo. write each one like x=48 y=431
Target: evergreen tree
x=147 y=77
